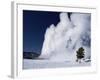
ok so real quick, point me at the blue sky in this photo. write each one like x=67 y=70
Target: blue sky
x=35 y=24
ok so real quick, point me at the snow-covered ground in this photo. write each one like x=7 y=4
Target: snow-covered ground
x=36 y=64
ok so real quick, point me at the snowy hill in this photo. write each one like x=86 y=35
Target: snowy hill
x=41 y=64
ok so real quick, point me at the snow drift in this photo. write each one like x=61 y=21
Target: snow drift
x=63 y=40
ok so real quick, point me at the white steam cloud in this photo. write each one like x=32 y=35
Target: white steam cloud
x=62 y=41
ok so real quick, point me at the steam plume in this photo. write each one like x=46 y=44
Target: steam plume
x=62 y=41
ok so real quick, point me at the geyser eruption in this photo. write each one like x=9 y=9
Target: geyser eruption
x=62 y=41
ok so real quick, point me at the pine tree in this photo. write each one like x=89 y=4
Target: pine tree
x=80 y=54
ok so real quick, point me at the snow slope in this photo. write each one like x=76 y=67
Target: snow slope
x=36 y=64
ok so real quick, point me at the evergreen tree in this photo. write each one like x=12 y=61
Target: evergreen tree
x=80 y=54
